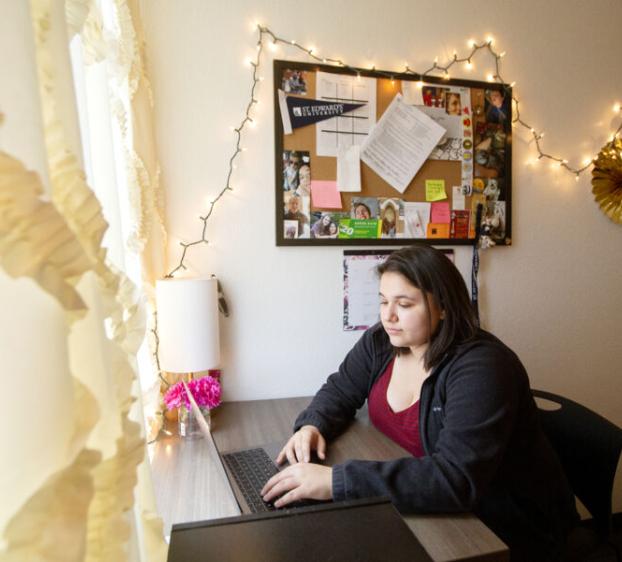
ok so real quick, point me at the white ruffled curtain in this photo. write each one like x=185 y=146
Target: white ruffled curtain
x=75 y=480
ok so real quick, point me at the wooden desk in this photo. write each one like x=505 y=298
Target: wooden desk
x=187 y=490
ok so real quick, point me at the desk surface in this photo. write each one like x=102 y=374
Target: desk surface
x=186 y=490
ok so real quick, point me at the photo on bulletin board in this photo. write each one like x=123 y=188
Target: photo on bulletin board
x=379 y=158
x=361 y=286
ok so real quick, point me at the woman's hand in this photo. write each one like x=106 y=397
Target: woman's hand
x=298 y=449
x=299 y=481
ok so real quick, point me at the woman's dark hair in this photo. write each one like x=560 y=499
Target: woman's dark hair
x=430 y=271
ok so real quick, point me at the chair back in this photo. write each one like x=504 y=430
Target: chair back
x=588 y=447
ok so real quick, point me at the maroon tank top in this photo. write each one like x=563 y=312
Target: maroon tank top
x=401 y=427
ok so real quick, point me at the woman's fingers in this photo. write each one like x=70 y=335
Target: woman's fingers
x=291 y=455
x=279 y=489
x=287 y=452
x=290 y=497
x=282 y=454
x=299 y=448
x=321 y=447
x=302 y=480
x=273 y=481
x=305 y=447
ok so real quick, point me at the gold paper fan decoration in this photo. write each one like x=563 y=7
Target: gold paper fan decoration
x=607 y=180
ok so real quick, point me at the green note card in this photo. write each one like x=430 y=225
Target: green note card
x=435 y=190
x=359 y=228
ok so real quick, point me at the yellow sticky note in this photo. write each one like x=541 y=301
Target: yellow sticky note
x=435 y=190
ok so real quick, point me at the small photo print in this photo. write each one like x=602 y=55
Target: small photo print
x=492 y=190
x=453 y=105
x=434 y=96
x=392 y=217
x=297 y=172
x=365 y=208
x=290 y=229
x=296 y=208
x=496 y=210
x=294 y=81
x=326 y=224
x=498 y=109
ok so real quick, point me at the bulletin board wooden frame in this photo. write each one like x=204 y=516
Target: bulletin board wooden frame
x=499 y=135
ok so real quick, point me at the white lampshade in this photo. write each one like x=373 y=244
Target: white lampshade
x=188 y=324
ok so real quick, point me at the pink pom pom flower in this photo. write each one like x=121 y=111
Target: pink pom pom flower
x=206 y=392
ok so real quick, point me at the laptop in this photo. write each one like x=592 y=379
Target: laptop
x=247 y=470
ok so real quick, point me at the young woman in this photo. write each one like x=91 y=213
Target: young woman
x=455 y=397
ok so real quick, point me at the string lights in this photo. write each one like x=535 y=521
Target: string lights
x=442 y=71
x=246 y=121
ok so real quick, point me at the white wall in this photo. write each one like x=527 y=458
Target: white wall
x=554 y=295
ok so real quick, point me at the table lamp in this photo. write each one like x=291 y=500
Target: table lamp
x=188 y=325
x=188 y=335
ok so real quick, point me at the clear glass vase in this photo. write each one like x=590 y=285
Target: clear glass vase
x=189 y=427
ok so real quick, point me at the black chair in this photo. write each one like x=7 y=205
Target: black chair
x=588 y=447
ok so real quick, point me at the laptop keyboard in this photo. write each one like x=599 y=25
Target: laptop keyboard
x=251 y=469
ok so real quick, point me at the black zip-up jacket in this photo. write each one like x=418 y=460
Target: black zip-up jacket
x=485 y=450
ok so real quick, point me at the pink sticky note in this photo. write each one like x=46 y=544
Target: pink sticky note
x=325 y=194
x=440 y=213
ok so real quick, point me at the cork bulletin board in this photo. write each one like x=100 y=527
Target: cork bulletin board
x=352 y=168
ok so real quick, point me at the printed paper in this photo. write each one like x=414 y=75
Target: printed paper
x=416 y=219
x=349 y=129
x=457 y=198
x=400 y=143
